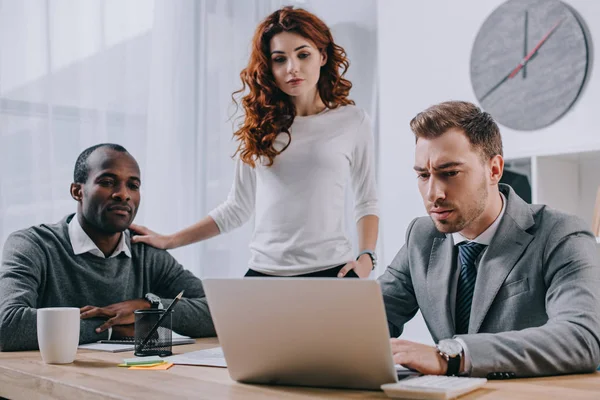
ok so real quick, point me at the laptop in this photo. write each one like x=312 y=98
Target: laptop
x=304 y=332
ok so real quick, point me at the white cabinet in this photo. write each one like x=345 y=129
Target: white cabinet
x=566 y=182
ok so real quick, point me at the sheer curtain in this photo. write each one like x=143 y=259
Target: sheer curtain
x=156 y=77
x=72 y=74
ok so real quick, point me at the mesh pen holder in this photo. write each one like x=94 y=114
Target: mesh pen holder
x=161 y=341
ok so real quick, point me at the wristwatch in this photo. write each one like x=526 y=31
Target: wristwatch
x=452 y=351
x=371 y=254
x=154 y=301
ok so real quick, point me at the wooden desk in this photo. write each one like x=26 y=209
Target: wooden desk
x=94 y=375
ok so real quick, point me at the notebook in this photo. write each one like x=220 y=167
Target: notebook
x=118 y=346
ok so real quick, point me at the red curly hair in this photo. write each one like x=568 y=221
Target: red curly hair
x=268 y=110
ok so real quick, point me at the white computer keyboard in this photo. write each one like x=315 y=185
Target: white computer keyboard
x=432 y=387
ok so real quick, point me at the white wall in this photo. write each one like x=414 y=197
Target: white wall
x=424 y=55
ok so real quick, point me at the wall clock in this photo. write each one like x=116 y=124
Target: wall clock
x=529 y=62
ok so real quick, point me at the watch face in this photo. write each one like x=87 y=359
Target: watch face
x=529 y=62
x=450 y=347
x=152 y=298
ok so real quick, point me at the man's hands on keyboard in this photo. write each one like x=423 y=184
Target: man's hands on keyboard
x=419 y=357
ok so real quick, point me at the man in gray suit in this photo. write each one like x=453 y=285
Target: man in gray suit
x=507 y=289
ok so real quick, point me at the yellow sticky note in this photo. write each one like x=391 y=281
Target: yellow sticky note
x=144 y=365
x=161 y=366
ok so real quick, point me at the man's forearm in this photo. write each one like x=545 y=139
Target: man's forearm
x=552 y=349
x=18 y=330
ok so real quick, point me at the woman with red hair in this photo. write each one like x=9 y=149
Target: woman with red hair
x=300 y=141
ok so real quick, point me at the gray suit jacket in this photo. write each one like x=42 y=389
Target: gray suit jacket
x=536 y=304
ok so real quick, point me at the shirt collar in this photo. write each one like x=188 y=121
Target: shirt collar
x=486 y=236
x=82 y=243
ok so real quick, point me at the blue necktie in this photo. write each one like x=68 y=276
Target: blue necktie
x=467 y=253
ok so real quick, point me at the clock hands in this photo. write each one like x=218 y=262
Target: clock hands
x=525 y=46
x=523 y=62
x=535 y=49
x=496 y=86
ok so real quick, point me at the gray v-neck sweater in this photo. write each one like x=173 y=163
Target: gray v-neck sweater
x=39 y=269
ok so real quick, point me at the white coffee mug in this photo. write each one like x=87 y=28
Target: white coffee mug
x=58 y=334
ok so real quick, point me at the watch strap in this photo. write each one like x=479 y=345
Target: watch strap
x=453 y=366
x=371 y=254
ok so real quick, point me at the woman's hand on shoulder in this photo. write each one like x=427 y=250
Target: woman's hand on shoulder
x=141 y=234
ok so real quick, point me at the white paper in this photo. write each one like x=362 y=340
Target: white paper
x=113 y=348
x=210 y=357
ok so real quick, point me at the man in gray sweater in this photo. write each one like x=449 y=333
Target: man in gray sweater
x=88 y=261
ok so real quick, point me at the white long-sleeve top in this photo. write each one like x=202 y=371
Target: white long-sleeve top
x=299 y=200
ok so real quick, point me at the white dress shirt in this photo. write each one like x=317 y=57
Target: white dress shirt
x=484 y=238
x=82 y=243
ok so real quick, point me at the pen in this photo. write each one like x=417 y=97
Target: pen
x=160 y=320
